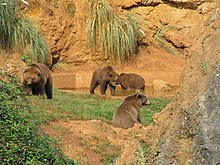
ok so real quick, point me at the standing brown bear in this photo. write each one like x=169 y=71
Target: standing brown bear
x=131 y=81
x=36 y=78
x=128 y=112
x=104 y=76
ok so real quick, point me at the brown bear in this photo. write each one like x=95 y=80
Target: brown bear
x=128 y=112
x=131 y=81
x=104 y=76
x=36 y=78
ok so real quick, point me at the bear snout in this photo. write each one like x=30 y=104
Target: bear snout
x=147 y=102
x=114 y=83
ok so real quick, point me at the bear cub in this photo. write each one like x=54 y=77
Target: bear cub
x=36 y=78
x=128 y=112
x=131 y=81
x=104 y=76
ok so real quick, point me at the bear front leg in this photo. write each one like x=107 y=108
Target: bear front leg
x=112 y=89
x=38 y=90
x=103 y=88
x=48 y=89
x=139 y=117
x=26 y=89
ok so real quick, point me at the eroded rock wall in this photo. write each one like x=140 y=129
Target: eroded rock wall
x=166 y=26
x=191 y=135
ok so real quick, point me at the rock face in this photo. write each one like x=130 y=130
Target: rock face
x=192 y=132
x=207 y=140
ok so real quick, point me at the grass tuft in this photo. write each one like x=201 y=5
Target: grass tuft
x=116 y=36
x=159 y=40
x=19 y=33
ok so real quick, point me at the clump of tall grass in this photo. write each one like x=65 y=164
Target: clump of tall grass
x=158 y=38
x=116 y=36
x=19 y=33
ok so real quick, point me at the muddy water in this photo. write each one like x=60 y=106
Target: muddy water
x=149 y=91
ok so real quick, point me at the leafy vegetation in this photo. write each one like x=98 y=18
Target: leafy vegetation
x=145 y=154
x=114 y=35
x=19 y=33
x=203 y=68
x=21 y=142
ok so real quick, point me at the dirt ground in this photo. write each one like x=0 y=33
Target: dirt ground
x=88 y=141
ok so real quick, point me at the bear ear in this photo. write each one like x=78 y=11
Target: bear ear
x=26 y=69
x=122 y=74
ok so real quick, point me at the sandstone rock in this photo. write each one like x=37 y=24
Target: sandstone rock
x=160 y=85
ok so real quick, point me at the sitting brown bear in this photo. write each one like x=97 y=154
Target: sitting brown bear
x=104 y=76
x=128 y=112
x=37 y=78
x=131 y=81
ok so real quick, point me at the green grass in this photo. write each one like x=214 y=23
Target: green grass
x=77 y=106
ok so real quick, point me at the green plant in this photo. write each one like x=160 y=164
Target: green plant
x=71 y=8
x=21 y=141
x=191 y=133
x=116 y=36
x=110 y=159
x=18 y=33
x=204 y=39
x=158 y=38
x=144 y=154
x=56 y=5
x=203 y=68
x=26 y=58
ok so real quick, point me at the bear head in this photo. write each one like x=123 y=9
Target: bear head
x=141 y=99
x=31 y=76
x=113 y=77
x=110 y=75
x=119 y=80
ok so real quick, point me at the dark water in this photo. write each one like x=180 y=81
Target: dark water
x=149 y=91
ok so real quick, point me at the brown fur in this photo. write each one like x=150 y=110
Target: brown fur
x=36 y=78
x=104 y=76
x=128 y=112
x=131 y=81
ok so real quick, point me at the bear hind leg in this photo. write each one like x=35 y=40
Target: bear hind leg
x=112 y=89
x=92 y=87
